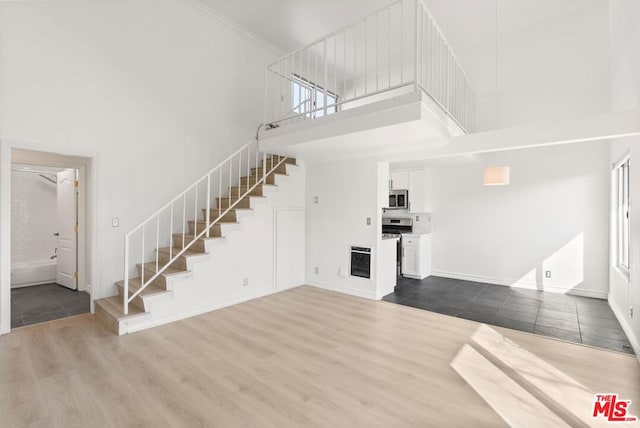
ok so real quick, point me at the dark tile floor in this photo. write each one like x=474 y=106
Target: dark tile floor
x=40 y=303
x=573 y=318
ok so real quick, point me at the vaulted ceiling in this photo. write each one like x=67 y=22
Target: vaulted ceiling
x=292 y=24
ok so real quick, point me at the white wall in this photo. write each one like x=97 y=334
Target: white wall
x=34 y=217
x=625 y=295
x=624 y=39
x=552 y=57
x=157 y=92
x=348 y=192
x=625 y=94
x=553 y=216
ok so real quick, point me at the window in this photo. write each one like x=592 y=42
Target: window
x=622 y=206
x=309 y=98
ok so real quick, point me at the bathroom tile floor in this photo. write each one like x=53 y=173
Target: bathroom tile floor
x=40 y=303
x=573 y=318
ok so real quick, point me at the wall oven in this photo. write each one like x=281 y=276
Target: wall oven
x=361 y=262
x=399 y=199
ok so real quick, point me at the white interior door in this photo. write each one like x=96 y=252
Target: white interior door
x=67 y=229
x=290 y=248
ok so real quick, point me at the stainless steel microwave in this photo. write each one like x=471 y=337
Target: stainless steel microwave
x=399 y=199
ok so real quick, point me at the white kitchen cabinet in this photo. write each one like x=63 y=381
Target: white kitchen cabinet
x=399 y=180
x=419 y=184
x=416 y=255
x=420 y=191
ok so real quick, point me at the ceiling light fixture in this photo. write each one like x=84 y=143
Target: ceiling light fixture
x=496 y=176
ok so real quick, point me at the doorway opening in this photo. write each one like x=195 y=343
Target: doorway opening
x=48 y=239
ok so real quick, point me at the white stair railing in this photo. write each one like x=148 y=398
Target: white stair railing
x=394 y=50
x=169 y=223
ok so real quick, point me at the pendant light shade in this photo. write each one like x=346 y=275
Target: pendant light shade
x=496 y=176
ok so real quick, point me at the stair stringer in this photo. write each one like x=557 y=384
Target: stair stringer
x=247 y=251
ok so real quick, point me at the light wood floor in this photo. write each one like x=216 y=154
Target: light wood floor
x=303 y=357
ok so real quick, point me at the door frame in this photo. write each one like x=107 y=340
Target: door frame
x=85 y=162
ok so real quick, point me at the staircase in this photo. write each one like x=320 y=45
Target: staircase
x=187 y=243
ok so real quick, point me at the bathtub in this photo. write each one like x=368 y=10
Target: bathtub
x=33 y=273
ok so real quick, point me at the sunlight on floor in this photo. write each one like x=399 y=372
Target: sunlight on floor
x=520 y=386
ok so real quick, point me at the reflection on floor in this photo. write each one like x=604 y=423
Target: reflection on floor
x=573 y=318
x=303 y=357
x=40 y=303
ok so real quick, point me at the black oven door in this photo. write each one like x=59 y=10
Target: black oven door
x=361 y=262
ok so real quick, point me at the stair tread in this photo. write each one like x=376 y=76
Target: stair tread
x=222 y=221
x=223 y=209
x=149 y=289
x=113 y=306
x=176 y=250
x=151 y=266
x=190 y=236
x=258 y=173
x=235 y=198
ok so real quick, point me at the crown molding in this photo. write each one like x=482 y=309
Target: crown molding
x=198 y=4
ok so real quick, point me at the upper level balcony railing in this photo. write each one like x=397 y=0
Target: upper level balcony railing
x=397 y=49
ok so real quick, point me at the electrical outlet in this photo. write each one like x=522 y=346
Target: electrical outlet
x=115 y=222
x=315 y=199
x=547 y=273
x=417 y=218
x=368 y=221
x=316 y=270
x=245 y=282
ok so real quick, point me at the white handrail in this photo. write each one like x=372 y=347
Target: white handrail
x=235 y=163
x=396 y=46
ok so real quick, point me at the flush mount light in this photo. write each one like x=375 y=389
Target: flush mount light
x=496 y=176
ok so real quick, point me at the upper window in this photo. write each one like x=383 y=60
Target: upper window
x=622 y=206
x=309 y=99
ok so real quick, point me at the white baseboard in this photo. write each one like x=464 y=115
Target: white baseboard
x=345 y=290
x=143 y=325
x=524 y=285
x=633 y=340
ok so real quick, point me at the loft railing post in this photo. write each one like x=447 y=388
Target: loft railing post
x=416 y=50
x=324 y=104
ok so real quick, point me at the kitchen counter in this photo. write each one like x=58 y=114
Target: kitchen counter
x=388 y=238
x=387 y=254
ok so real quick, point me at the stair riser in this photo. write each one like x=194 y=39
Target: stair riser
x=160 y=281
x=282 y=169
x=137 y=301
x=180 y=262
x=198 y=245
x=111 y=323
x=230 y=217
x=224 y=204
x=254 y=179
x=290 y=161
x=257 y=191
